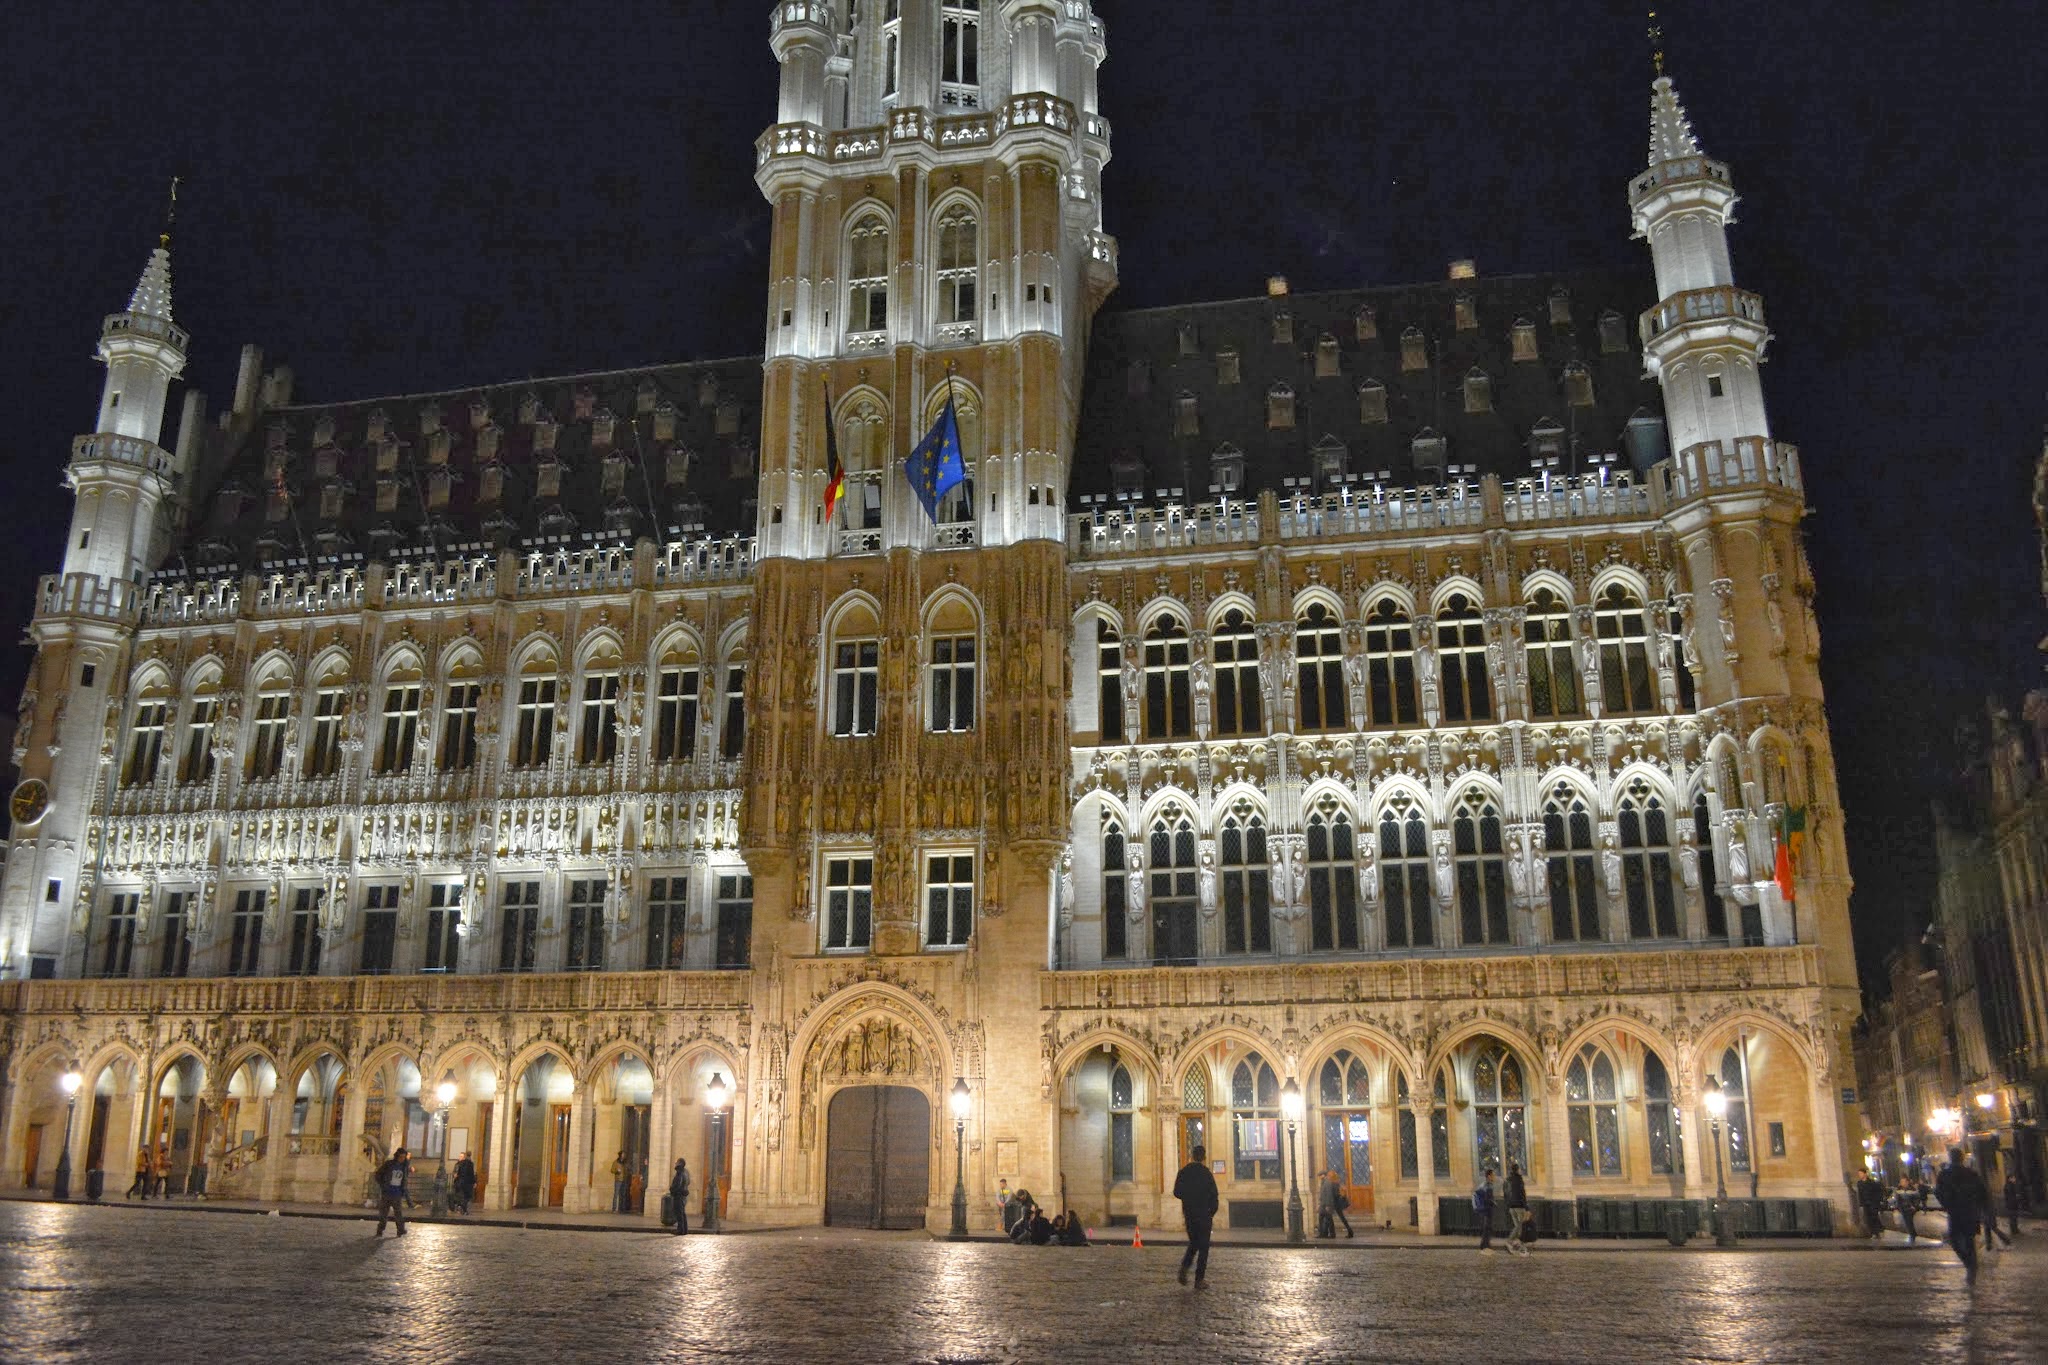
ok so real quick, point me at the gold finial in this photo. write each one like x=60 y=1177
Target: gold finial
x=1656 y=42
x=170 y=213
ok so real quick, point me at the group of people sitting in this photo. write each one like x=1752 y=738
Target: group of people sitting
x=1025 y=1223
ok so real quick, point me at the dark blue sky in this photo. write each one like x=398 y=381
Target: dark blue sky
x=395 y=198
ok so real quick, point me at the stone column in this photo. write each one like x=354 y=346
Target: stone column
x=576 y=1192
x=351 y=1167
x=503 y=1179
x=1557 y=1181
x=1425 y=1167
x=661 y=1160
x=277 y=1158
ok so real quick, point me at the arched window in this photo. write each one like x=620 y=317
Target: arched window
x=146 y=732
x=462 y=695
x=1553 y=685
x=598 y=718
x=1735 y=1085
x=1404 y=875
x=1319 y=665
x=1169 y=708
x=1500 y=1114
x=1122 y=1103
x=1595 y=1113
x=732 y=728
x=1482 y=870
x=1344 y=1094
x=202 y=712
x=330 y=707
x=1623 y=632
x=867 y=269
x=951 y=693
x=1172 y=889
x=1109 y=676
x=959 y=278
x=1646 y=864
x=1574 y=882
x=1710 y=877
x=1255 y=1121
x=679 y=686
x=401 y=719
x=1247 y=911
x=1237 y=676
x=534 y=735
x=1667 y=1149
x=1461 y=653
x=1390 y=665
x=960 y=47
x=273 y=715
x=1332 y=878
x=856 y=676
x=1194 y=1110
x=1115 y=891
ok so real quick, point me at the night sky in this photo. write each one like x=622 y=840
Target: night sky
x=415 y=197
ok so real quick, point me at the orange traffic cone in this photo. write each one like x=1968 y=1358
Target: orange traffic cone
x=1137 y=1238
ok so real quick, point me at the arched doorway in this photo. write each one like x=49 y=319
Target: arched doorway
x=622 y=1114
x=178 y=1125
x=878 y=1141
x=1108 y=1158
x=1344 y=1098
x=541 y=1132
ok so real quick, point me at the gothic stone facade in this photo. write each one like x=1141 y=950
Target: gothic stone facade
x=1430 y=761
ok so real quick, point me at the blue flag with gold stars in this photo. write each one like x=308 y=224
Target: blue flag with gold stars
x=935 y=467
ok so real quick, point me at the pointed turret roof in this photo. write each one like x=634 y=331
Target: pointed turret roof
x=1671 y=136
x=152 y=296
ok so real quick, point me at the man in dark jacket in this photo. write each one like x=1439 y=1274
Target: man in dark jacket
x=1963 y=1194
x=2014 y=1202
x=1870 y=1198
x=1515 y=1195
x=1482 y=1210
x=1195 y=1187
x=465 y=1182
x=679 y=1196
x=391 y=1178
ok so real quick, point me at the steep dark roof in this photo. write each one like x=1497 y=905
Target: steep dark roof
x=1139 y=368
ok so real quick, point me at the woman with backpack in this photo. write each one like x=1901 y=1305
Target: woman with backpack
x=1331 y=1202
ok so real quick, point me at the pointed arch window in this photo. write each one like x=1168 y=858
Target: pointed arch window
x=1439 y=1128
x=1481 y=865
x=1467 y=693
x=1344 y=1094
x=534 y=735
x=1172 y=874
x=1109 y=676
x=1592 y=1102
x=1553 y=684
x=1169 y=707
x=1122 y=1120
x=1574 y=882
x=732 y=730
x=330 y=708
x=1115 y=893
x=1390 y=665
x=960 y=59
x=959 y=276
x=1667 y=1148
x=146 y=736
x=1332 y=878
x=1681 y=672
x=1247 y=909
x=1319 y=663
x=1255 y=1119
x=1735 y=1085
x=867 y=270
x=266 y=739
x=678 y=684
x=200 y=717
x=1194 y=1109
x=1710 y=877
x=1236 y=649
x=1500 y=1110
x=1621 y=628
x=599 y=718
x=458 y=718
x=1404 y=875
x=401 y=724
x=1646 y=863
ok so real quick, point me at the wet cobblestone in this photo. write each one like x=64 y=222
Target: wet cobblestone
x=126 y=1284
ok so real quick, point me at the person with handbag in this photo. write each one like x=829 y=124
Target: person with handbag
x=1331 y=1202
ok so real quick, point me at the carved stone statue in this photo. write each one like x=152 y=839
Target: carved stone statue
x=1208 y=877
x=1610 y=866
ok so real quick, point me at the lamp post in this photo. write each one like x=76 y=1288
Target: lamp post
x=961 y=1100
x=69 y=1083
x=1716 y=1100
x=715 y=1093
x=445 y=1093
x=1291 y=1106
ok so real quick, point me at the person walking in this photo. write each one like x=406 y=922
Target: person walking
x=619 y=1184
x=160 y=1173
x=1331 y=1202
x=1963 y=1194
x=2014 y=1199
x=1991 y=1227
x=465 y=1182
x=391 y=1178
x=143 y=1168
x=1482 y=1208
x=1870 y=1198
x=679 y=1196
x=1515 y=1194
x=1195 y=1188
x=1907 y=1202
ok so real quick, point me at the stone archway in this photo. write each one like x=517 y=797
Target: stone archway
x=876 y=1044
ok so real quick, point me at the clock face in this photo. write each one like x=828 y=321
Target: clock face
x=29 y=801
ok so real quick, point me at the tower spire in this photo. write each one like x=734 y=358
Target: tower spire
x=1656 y=46
x=1671 y=136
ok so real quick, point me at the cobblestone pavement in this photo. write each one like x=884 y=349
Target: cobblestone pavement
x=116 y=1283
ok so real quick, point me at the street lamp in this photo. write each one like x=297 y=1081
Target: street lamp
x=69 y=1083
x=716 y=1094
x=961 y=1100
x=1291 y=1105
x=1986 y=1099
x=444 y=1092
x=1716 y=1100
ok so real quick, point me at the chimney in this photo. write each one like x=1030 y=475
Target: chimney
x=247 y=380
x=189 y=424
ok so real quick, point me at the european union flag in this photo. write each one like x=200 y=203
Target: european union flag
x=935 y=466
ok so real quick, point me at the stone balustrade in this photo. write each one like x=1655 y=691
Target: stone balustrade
x=144 y=325
x=107 y=448
x=1715 y=466
x=1701 y=305
x=457 y=995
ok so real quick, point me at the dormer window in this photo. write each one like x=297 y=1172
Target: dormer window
x=1522 y=340
x=664 y=421
x=582 y=403
x=1366 y=322
x=1578 y=385
x=1127 y=476
x=1228 y=368
x=330 y=501
x=1372 y=402
x=644 y=397
x=1186 y=416
x=387 y=457
x=1190 y=339
x=1138 y=379
x=437 y=447
x=1546 y=440
x=1414 y=350
x=323 y=429
x=1478 y=391
x=1327 y=360
x=1283 y=328
x=678 y=466
x=487 y=439
x=602 y=424
x=614 y=473
x=1465 y=312
x=1330 y=461
x=1613 y=333
x=1430 y=451
x=1280 y=408
x=726 y=421
x=490 y=484
x=430 y=421
x=547 y=479
x=545 y=429
x=1226 y=469
x=387 y=495
x=438 y=482
x=375 y=427
x=529 y=408
x=479 y=414
x=325 y=461
x=707 y=390
x=1560 y=307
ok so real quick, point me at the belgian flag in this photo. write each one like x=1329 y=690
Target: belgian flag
x=835 y=472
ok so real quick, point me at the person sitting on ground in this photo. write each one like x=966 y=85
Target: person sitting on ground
x=1072 y=1233
x=1020 y=1231
x=1041 y=1228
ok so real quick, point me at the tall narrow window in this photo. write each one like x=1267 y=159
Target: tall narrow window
x=1236 y=701
x=1332 y=878
x=198 y=762
x=960 y=40
x=458 y=727
x=444 y=927
x=117 y=939
x=1622 y=630
x=1172 y=878
x=303 y=958
x=1553 y=685
x=1440 y=1125
x=668 y=909
x=849 y=902
x=952 y=683
x=1247 y=910
x=1404 y=875
x=534 y=737
x=1646 y=864
x=1169 y=706
x=1255 y=1119
x=1481 y=871
x=1390 y=665
x=1115 y=894
x=1735 y=1085
x=1574 y=883
x=1109 y=675
x=855 y=669
x=245 y=932
x=518 y=926
x=867 y=270
x=1710 y=887
x=330 y=708
x=675 y=718
x=599 y=740
x=146 y=745
x=1404 y=1123
x=959 y=280
x=732 y=733
x=1319 y=665
x=174 y=947
x=380 y=931
x=1595 y=1114
x=1461 y=661
x=733 y=940
x=1194 y=1109
x=1667 y=1152
x=1344 y=1095
x=1500 y=1111
x=585 y=947
x=401 y=727
x=948 y=900
x=1122 y=1097
x=266 y=738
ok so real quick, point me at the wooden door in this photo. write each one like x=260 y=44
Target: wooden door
x=96 y=1133
x=481 y=1154
x=878 y=1157
x=558 y=1153
x=32 y=1155
x=850 y=1158
x=1347 y=1150
x=638 y=1119
x=905 y=1147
